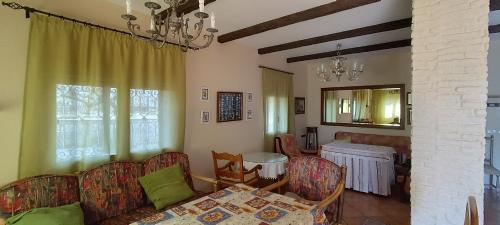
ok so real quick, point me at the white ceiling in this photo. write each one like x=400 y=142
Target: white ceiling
x=232 y=15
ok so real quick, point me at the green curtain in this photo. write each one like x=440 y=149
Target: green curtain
x=330 y=106
x=92 y=95
x=362 y=109
x=386 y=106
x=279 y=113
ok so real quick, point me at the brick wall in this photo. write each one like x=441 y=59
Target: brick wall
x=449 y=58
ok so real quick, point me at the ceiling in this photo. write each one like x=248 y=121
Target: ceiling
x=232 y=15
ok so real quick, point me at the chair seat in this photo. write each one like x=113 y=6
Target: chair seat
x=248 y=178
x=147 y=211
x=297 y=197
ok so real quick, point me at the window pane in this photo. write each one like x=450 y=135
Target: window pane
x=144 y=120
x=86 y=122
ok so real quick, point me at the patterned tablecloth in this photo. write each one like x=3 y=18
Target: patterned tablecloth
x=239 y=205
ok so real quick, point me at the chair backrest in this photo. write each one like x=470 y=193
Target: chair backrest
x=111 y=190
x=313 y=178
x=471 y=214
x=40 y=191
x=286 y=144
x=227 y=170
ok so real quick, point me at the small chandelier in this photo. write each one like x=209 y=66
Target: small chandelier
x=338 y=69
x=169 y=26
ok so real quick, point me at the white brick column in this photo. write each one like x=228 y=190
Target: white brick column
x=449 y=57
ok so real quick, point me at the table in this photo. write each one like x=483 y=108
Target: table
x=238 y=205
x=370 y=168
x=273 y=164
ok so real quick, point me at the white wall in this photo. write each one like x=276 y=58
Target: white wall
x=381 y=67
x=450 y=42
x=224 y=67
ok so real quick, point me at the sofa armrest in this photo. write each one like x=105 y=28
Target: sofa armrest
x=212 y=181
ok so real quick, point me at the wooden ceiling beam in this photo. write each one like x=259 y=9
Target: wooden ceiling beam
x=494 y=29
x=312 y=13
x=368 y=48
x=393 y=25
x=190 y=6
x=494 y=5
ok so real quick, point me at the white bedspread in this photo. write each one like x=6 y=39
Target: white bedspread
x=370 y=168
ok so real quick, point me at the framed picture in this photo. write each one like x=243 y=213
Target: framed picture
x=249 y=114
x=229 y=106
x=249 y=97
x=300 y=105
x=205 y=94
x=205 y=117
x=408 y=98
x=408 y=119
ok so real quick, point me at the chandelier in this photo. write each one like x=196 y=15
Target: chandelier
x=338 y=69
x=169 y=26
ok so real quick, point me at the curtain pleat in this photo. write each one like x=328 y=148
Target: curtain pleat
x=93 y=94
x=279 y=113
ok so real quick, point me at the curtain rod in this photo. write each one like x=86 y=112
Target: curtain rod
x=269 y=68
x=29 y=10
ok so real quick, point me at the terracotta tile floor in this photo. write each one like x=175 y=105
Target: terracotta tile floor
x=491 y=207
x=360 y=206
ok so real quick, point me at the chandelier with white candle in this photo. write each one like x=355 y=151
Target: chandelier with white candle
x=338 y=69
x=170 y=27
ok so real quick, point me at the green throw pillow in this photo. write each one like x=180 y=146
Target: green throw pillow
x=166 y=186
x=64 y=215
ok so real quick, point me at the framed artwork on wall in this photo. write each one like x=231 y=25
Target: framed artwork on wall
x=205 y=94
x=408 y=99
x=300 y=105
x=205 y=117
x=249 y=114
x=409 y=116
x=229 y=106
x=249 y=97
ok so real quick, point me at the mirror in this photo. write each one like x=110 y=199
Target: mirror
x=377 y=106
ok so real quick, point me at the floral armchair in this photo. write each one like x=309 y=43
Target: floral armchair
x=286 y=144
x=316 y=179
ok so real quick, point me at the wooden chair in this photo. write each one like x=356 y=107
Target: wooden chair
x=234 y=172
x=471 y=214
x=325 y=188
x=286 y=144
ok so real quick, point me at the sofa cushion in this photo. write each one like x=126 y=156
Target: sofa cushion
x=144 y=212
x=166 y=186
x=111 y=190
x=62 y=215
x=401 y=144
x=167 y=159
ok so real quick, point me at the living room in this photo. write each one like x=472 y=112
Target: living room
x=279 y=85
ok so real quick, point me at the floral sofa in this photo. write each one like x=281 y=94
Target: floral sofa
x=109 y=194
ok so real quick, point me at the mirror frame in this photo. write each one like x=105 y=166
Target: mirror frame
x=402 y=105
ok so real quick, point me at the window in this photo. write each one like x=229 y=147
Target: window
x=87 y=121
x=144 y=120
x=277 y=115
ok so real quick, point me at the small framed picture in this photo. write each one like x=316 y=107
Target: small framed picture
x=409 y=99
x=300 y=105
x=249 y=114
x=205 y=117
x=409 y=116
x=205 y=94
x=249 y=97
